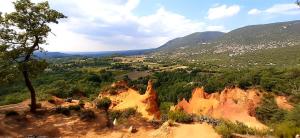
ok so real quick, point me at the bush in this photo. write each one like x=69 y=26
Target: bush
x=87 y=115
x=74 y=107
x=286 y=129
x=103 y=103
x=62 y=110
x=294 y=116
x=81 y=103
x=122 y=114
x=180 y=116
x=11 y=113
x=227 y=128
x=268 y=112
x=290 y=126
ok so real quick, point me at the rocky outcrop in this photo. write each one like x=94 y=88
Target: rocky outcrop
x=150 y=99
x=232 y=104
x=129 y=98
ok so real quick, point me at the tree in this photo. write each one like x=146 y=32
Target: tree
x=22 y=32
x=298 y=2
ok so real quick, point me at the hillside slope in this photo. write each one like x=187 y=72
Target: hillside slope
x=189 y=41
x=250 y=45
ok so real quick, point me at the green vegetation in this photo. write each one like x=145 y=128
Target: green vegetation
x=290 y=126
x=180 y=116
x=121 y=114
x=23 y=32
x=103 y=103
x=175 y=85
x=227 y=128
x=269 y=112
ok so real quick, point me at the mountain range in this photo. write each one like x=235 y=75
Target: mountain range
x=266 y=44
x=275 y=44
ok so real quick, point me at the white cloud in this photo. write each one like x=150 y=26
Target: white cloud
x=286 y=9
x=112 y=25
x=6 y=6
x=254 y=12
x=223 y=11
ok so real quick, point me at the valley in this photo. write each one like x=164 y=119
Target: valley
x=126 y=73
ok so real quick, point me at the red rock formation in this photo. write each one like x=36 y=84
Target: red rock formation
x=145 y=104
x=151 y=100
x=232 y=104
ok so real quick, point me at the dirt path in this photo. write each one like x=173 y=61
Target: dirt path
x=16 y=107
x=194 y=131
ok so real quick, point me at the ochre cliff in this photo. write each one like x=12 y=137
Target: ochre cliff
x=129 y=98
x=233 y=104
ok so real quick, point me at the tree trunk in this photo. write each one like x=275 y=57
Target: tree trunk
x=32 y=91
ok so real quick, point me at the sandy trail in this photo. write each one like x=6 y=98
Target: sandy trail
x=194 y=131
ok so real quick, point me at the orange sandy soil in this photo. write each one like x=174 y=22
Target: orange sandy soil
x=56 y=125
x=283 y=103
x=177 y=131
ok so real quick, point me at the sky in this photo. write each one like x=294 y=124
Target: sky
x=110 y=25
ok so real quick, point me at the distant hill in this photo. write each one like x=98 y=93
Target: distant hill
x=111 y=53
x=190 y=41
x=256 y=44
x=46 y=55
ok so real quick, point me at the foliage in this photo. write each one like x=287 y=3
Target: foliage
x=103 y=103
x=180 y=116
x=87 y=115
x=286 y=129
x=268 y=112
x=164 y=107
x=62 y=110
x=290 y=126
x=175 y=85
x=227 y=128
x=121 y=114
x=22 y=32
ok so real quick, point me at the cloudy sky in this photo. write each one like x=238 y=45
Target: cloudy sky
x=108 y=25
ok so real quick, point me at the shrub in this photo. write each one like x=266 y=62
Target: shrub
x=103 y=103
x=286 y=129
x=121 y=114
x=81 y=103
x=294 y=115
x=128 y=112
x=87 y=115
x=114 y=114
x=227 y=128
x=11 y=113
x=268 y=111
x=62 y=110
x=74 y=107
x=180 y=116
x=165 y=107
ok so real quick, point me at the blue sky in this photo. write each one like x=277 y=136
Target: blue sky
x=108 y=25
